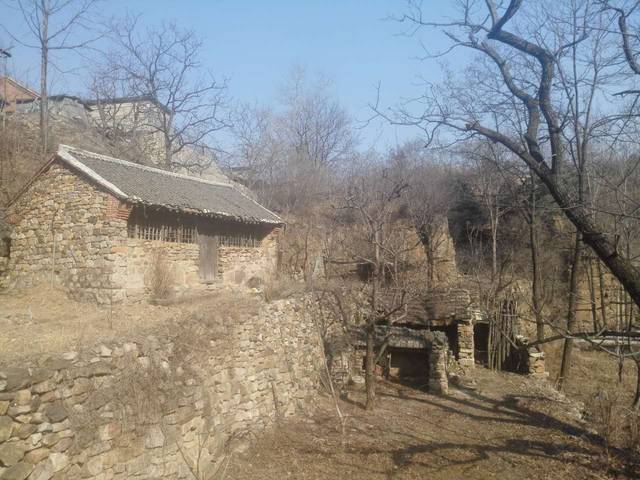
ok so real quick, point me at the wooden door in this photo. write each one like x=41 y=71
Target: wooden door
x=208 y=256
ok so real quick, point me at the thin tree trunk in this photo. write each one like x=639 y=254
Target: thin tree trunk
x=494 y=244
x=44 y=64
x=636 y=399
x=603 y=302
x=592 y=296
x=536 y=287
x=369 y=374
x=371 y=324
x=571 y=313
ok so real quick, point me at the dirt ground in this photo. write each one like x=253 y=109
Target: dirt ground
x=505 y=427
x=43 y=321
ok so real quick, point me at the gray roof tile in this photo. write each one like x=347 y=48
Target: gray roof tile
x=152 y=186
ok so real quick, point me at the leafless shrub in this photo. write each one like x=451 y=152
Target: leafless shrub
x=605 y=411
x=633 y=426
x=618 y=424
x=161 y=275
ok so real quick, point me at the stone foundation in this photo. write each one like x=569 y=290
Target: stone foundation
x=150 y=409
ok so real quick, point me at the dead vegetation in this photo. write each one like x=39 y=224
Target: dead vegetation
x=161 y=275
x=605 y=389
x=508 y=427
x=43 y=321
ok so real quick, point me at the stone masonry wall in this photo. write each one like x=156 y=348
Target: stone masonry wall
x=61 y=232
x=149 y=409
x=68 y=231
x=135 y=258
x=237 y=264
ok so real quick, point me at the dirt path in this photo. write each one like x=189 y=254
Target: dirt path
x=508 y=428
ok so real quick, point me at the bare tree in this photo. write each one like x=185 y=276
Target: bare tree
x=53 y=25
x=516 y=99
x=428 y=199
x=291 y=153
x=370 y=233
x=163 y=64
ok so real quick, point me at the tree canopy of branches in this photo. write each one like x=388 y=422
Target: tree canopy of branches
x=53 y=25
x=551 y=83
x=289 y=154
x=163 y=63
x=519 y=94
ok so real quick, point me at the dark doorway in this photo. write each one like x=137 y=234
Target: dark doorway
x=481 y=343
x=408 y=365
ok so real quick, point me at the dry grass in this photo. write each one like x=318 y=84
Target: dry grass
x=510 y=427
x=161 y=275
x=280 y=288
x=606 y=389
x=43 y=321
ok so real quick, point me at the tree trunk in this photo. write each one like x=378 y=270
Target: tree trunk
x=592 y=296
x=620 y=266
x=494 y=243
x=636 y=399
x=369 y=374
x=44 y=64
x=571 y=313
x=536 y=280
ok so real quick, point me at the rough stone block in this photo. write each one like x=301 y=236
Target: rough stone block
x=20 y=471
x=11 y=453
x=6 y=425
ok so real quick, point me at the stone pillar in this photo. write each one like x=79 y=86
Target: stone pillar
x=465 y=344
x=536 y=365
x=438 y=380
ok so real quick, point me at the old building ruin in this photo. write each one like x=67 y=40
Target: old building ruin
x=94 y=225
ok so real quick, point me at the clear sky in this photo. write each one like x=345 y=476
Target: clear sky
x=255 y=44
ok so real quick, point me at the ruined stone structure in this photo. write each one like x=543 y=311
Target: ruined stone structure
x=410 y=354
x=451 y=311
x=160 y=408
x=98 y=226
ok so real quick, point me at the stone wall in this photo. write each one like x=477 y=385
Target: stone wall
x=237 y=264
x=466 y=347
x=149 y=409
x=135 y=258
x=67 y=231
x=61 y=232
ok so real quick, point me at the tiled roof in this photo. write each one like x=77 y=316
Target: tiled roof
x=152 y=186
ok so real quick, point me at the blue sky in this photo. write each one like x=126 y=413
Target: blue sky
x=255 y=44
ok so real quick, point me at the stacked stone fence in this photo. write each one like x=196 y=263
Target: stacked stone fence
x=167 y=406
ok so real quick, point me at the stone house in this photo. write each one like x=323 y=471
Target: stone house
x=13 y=93
x=97 y=226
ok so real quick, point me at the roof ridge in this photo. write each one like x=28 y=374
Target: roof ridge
x=107 y=158
x=20 y=85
